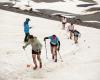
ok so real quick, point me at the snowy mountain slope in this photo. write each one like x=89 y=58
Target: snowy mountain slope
x=80 y=61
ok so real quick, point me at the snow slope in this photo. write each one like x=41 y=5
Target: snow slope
x=80 y=62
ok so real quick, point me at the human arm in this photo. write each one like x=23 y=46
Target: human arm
x=46 y=38
x=58 y=45
x=26 y=45
x=30 y=27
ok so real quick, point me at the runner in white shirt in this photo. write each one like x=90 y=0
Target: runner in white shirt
x=64 y=21
x=71 y=29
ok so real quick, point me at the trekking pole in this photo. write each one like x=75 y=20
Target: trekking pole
x=46 y=50
x=60 y=56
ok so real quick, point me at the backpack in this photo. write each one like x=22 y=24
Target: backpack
x=77 y=33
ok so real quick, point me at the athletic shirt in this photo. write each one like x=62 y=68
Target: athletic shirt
x=71 y=27
x=54 y=41
x=35 y=43
x=26 y=27
x=64 y=20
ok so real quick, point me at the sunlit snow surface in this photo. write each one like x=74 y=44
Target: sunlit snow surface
x=80 y=62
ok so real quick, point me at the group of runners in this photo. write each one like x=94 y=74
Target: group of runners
x=54 y=42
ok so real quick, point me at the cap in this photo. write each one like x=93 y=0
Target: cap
x=27 y=19
x=53 y=36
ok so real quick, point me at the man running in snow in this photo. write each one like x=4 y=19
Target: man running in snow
x=26 y=29
x=76 y=35
x=71 y=29
x=55 y=45
x=36 y=50
x=64 y=21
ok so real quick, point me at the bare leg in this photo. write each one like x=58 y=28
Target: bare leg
x=63 y=26
x=76 y=39
x=52 y=52
x=39 y=59
x=34 y=60
x=55 y=53
x=70 y=35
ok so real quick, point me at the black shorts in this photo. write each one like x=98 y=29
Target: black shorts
x=34 y=52
x=71 y=31
x=63 y=22
x=76 y=35
x=53 y=45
